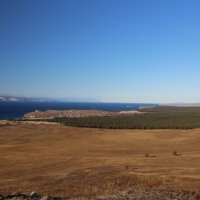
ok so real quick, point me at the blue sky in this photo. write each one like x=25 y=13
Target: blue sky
x=113 y=50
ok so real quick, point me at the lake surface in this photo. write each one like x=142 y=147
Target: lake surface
x=12 y=110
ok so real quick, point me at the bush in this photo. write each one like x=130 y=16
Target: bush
x=146 y=155
x=175 y=153
x=126 y=167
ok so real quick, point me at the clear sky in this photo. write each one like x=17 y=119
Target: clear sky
x=113 y=50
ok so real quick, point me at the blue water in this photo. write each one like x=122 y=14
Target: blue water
x=12 y=110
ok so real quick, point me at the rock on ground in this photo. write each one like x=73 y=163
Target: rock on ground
x=143 y=194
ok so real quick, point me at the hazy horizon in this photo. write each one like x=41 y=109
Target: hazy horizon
x=110 y=50
x=93 y=100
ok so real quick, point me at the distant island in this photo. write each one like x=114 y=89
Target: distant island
x=4 y=98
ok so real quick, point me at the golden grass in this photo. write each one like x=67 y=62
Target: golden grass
x=68 y=161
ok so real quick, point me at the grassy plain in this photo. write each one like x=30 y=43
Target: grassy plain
x=70 y=161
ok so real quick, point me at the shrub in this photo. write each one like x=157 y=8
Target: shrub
x=146 y=155
x=126 y=167
x=175 y=153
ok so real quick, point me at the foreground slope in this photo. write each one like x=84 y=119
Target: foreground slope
x=66 y=161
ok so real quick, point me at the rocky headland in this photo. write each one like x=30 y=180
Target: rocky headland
x=50 y=114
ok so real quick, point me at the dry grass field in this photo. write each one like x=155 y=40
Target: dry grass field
x=68 y=161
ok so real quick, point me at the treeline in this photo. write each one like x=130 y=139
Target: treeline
x=153 y=118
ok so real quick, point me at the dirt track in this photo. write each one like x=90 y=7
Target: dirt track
x=67 y=161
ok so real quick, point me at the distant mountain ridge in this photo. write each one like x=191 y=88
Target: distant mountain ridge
x=182 y=104
x=24 y=99
x=41 y=99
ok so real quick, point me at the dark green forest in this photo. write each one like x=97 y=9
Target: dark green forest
x=162 y=117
